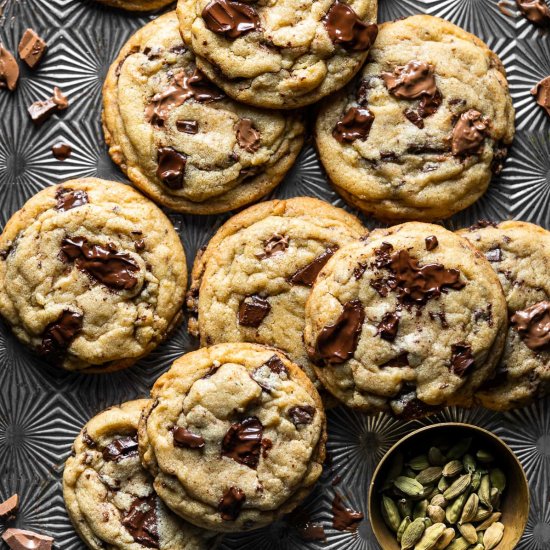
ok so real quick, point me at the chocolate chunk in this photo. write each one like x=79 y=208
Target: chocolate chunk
x=355 y=124
x=31 y=48
x=253 y=310
x=68 y=198
x=276 y=244
x=232 y=19
x=387 y=328
x=171 y=167
x=184 y=87
x=343 y=517
x=243 y=442
x=141 y=521
x=414 y=117
x=542 y=94
x=429 y=105
x=267 y=445
x=306 y=275
x=301 y=415
x=359 y=270
x=231 y=503
x=337 y=343
x=20 y=539
x=536 y=11
x=121 y=448
x=441 y=316
x=139 y=245
x=346 y=29
x=8 y=508
x=533 y=326
x=494 y=255
x=103 y=263
x=9 y=69
x=184 y=438
x=388 y=156
x=431 y=242
x=482 y=224
x=307 y=530
x=87 y=439
x=412 y=81
x=402 y=360
x=40 y=111
x=407 y=406
x=247 y=136
x=273 y=365
x=61 y=151
x=469 y=133
x=461 y=359
x=58 y=335
x=187 y=126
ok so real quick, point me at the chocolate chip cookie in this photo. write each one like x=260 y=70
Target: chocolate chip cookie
x=283 y=54
x=92 y=275
x=179 y=139
x=411 y=320
x=252 y=281
x=137 y=5
x=520 y=254
x=109 y=495
x=420 y=132
x=234 y=436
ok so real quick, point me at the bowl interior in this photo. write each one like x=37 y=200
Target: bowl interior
x=515 y=500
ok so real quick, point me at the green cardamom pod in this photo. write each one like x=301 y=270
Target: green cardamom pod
x=390 y=513
x=436 y=457
x=445 y=539
x=470 y=509
x=430 y=537
x=468 y=531
x=443 y=484
x=459 y=544
x=484 y=492
x=493 y=536
x=478 y=546
x=458 y=487
x=413 y=533
x=489 y=521
x=429 y=475
x=405 y=507
x=402 y=527
x=469 y=463
x=484 y=456
x=476 y=480
x=439 y=500
x=482 y=514
x=419 y=463
x=419 y=511
x=409 y=486
x=454 y=510
x=452 y=468
x=498 y=479
x=436 y=513
x=460 y=449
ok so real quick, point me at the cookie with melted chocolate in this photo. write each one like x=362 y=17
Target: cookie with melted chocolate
x=261 y=427
x=519 y=252
x=393 y=323
x=110 y=497
x=416 y=137
x=180 y=139
x=92 y=275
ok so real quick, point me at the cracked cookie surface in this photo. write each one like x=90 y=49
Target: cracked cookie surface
x=109 y=495
x=282 y=54
x=420 y=132
x=409 y=321
x=92 y=275
x=252 y=281
x=519 y=252
x=234 y=437
x=179 y=139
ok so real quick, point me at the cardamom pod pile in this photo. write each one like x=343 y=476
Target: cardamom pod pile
x=448 y=498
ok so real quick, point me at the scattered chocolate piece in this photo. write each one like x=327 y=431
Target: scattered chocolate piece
x=337 y=343
x=344 y=518
x=243 y=442
x=301 y=415
x=307 y=530
x=494 y=255
x=121 y=448
x=20 y=539
x=533 y=326
x=171 y=167
x=461 y=358
x=247 y=136
x=387 y=328
x=40 y=111
x=253 y=310
x=58 y=335
x=345 y=28
x=230 y=18
x=402 y=360
x=31 y=48
x=276 y=244
x=68 y=198
x=431 y=242
x=103 y=263
x=61 y=151
x=231 y=503
x=536 y=11
x=141 y=521
x=9 y=507
x=542 y=94
x=469 y=133
x=9 y=69
x=187 y=126
x=306 y=275
x=184 y=438
x=355 y=124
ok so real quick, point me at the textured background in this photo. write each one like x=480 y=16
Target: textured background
x=41 y=411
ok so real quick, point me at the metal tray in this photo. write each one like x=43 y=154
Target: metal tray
x=41 y=411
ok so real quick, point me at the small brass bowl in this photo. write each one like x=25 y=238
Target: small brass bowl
x=515 y=500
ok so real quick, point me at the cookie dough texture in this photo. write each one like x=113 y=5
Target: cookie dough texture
x=257 y=253
x=92 y=275
x=288 y=60
x=519 y=252
x=179 y=139
x=397 y=170
x=110 y=497
x=406 y=324
x=234 y=437
x=137 y=5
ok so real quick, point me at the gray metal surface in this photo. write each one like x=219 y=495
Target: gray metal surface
x=41 y=410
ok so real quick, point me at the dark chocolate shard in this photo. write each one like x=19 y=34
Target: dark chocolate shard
x=186 y=439
x=61 y=151
x=68 y=198
x=9 y=69
x=253 y=310
x=402 y=360
x=141 y=521
x=231 y=504
x=388 y=326
x=494 y=255
x=187 y=126
x=462 y=359
x=21 y=539
x=8 y=508
x=344 y=518
x=536 y=11
x=301 y=415
x=171 y=167
x=346 y=29
x=355 y=124
x=307 y=530
x=121 y=448
x=431 y=242
x=276 y=244
x=58 y=336
x=248 y=137
x=306 y=275
x=243 y=442
x=230 y=18
x=469 y=133
x=31 y=48
x=533 y=326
